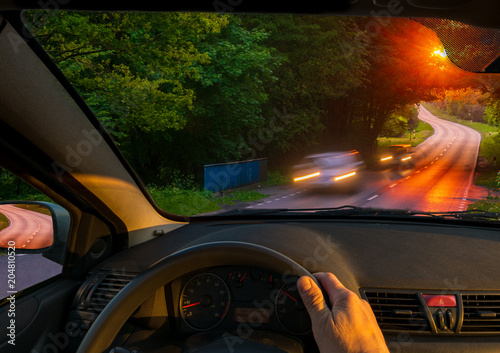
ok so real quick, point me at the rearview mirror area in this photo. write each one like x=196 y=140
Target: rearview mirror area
x=34 y=227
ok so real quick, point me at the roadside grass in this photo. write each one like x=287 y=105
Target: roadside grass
x=35 y=208
x=189 y=202
x=275 y=178
x=491 y=204
x=4 y=222
x=487 y=178
x=422 y=132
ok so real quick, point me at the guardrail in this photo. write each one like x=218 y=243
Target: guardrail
x=223 y=176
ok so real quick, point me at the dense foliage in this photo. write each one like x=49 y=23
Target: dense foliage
x=216 y=87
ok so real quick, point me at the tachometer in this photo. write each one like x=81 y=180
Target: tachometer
x=291 y=311
x=204 y=301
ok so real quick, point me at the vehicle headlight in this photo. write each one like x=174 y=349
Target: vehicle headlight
x=344 y=176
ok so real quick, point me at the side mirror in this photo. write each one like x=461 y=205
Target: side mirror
x=33 y=227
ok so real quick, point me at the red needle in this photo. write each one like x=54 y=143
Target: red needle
x=187 y=306
x=288 y=295
x=242 y=278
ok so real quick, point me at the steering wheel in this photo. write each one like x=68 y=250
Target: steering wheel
x=122 y=306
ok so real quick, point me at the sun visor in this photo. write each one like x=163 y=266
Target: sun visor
x=471 y=48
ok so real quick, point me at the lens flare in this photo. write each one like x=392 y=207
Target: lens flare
x=441 y=53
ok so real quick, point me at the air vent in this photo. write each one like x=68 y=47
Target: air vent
x=107 y=289
x=481 y=313
x=397 y=311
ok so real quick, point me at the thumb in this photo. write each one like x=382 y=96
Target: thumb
x=312 y=296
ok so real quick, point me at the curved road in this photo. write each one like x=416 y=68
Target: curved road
x=443 y=172
x=29 y=229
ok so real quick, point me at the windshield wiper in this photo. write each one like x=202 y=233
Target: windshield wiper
x=353 y=211
x=346 y=210
x=463 y=215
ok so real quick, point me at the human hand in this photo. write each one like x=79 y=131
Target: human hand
x=349 y=327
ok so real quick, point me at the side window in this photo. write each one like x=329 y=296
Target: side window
x=23 y=226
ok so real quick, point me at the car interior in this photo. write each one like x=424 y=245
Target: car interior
x=136 y=278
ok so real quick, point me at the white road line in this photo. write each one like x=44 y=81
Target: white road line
x=373 y=197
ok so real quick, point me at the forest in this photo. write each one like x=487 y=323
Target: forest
x=181 y=90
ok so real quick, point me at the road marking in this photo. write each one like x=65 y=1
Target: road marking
x=373 y=197
x=393 y=185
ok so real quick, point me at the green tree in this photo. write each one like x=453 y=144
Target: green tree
x=229 y=98
x=317 y=68
x=492 y=113
x=129 y=67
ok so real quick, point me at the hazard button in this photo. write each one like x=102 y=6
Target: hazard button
x=440 y=300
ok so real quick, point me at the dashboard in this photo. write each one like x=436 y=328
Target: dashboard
x=402 y=268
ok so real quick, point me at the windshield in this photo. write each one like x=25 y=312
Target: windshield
x=222 y=111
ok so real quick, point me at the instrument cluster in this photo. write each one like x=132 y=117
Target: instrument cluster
x=228 y=298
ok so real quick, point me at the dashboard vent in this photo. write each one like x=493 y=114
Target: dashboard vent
x=481 y=313
x=107 y=289
x=397 y=311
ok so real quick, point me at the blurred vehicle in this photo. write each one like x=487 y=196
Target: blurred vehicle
x=396 y=157
x=336 y=170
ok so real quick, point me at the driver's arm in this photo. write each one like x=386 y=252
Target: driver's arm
x=349 y=327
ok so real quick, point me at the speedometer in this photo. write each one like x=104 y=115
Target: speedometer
x=204 y=301
x=291 y=311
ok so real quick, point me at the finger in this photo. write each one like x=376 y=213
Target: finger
x=334 y=289
x=312 y=296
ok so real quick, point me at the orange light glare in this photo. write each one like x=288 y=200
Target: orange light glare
x=307 y=176
x=344 y=176
x=407 y=158
x=386 y=159
x=441 y=53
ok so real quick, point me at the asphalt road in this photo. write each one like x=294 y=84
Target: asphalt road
x=29 y=229
x=442 y=175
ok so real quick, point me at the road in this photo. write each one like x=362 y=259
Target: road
x=440 y=181
x=29 y=229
